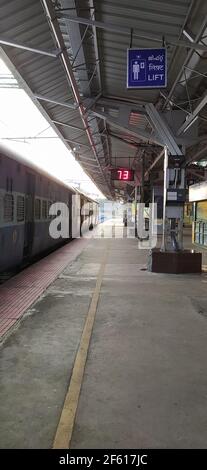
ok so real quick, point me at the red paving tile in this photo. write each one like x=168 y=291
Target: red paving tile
x=6 y=327
x=20 y=292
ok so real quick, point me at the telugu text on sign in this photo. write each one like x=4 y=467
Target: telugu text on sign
x=146 y=68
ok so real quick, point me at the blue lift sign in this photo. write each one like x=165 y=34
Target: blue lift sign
x=147 y=68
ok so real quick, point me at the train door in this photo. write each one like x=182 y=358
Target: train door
x=70 y=215
x=29 y=214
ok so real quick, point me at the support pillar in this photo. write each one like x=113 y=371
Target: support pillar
x=135 y=210
x=171 y=258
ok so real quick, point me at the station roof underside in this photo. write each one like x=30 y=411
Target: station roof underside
x=71 y=57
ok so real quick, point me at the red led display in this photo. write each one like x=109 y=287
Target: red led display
x=122 y=174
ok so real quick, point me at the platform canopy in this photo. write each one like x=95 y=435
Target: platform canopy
x=71 y=57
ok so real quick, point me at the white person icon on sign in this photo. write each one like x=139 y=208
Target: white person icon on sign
x=139 y=70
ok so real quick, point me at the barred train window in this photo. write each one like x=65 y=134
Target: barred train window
x=49 y=205
x=8 y=208
x=20 y=208
x=44 y=209
x=37 y=209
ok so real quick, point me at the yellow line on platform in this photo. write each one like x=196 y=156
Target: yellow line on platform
x=67 y=419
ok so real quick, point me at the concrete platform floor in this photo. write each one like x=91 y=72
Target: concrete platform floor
x=145 y=382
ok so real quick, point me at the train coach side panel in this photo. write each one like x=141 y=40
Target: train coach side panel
x=11 y=227
x=11 y=246
x=47 y=193
x=42 y=240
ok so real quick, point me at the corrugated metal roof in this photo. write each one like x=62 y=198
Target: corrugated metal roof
x=25 y=22
x=99 y=66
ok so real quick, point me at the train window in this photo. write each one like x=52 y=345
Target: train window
x=48 y=208
x=8 y=208
x=9 y=184
x=20 y=208
x=37 y=209
x=44 y=209
x=1 y=207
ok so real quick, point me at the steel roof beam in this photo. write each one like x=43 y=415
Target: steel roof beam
x=118 y=103
x=86 y=83
x=91 y=4
x=197 y=156
x=8 y=42
x=87 y=163
x=77 y=52
x=125 y=141
x=90 y=167
x=166 y=136
x=77 y=143
x=59 y=103
x=190 y=119
x=37 y=102
x=44 y=138
x=64 y=124
x=187 y=59
x=84 y=158
x=123 y=30
x=56 y=31
x=198 y=175
x=132 y=143
x=89 y=102
x=154 y=163
x=120 y=124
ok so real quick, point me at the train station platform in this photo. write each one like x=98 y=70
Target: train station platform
x=109 y=356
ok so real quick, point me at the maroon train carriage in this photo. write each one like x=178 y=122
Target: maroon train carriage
x=26 y=194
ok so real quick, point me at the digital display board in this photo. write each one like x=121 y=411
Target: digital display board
x=122 y=174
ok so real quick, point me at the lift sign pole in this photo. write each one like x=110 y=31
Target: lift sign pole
x=147 y=68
